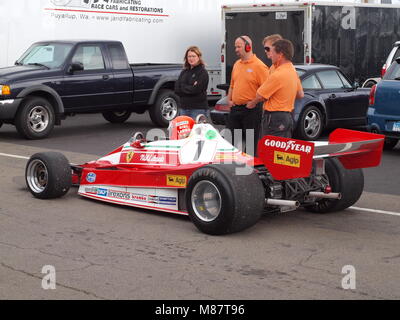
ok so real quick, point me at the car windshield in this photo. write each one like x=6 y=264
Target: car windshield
x=49 y=55
x=300 y=72
x=393 y=73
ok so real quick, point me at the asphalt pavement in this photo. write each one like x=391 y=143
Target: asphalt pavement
x=102 y=251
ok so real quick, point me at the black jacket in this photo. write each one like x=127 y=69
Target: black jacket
x=193 y=96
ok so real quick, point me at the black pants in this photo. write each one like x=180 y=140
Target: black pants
x=277 y=123
x=242 y=118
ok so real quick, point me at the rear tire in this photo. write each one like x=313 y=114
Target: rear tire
x=219 y=204
x=117 y=116
x=35 y=119
x=165 y=108
x=48 y=175
x=350 y=183
x=310 y=124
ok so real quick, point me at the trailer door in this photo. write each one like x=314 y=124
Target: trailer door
x=257 y=25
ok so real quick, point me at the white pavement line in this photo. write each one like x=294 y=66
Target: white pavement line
x=13 y=156
x=377 y=211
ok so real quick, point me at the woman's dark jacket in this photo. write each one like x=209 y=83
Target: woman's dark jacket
x=193 y=96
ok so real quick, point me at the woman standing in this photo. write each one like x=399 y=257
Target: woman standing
x=192 y=85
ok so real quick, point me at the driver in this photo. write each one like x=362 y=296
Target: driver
x=180 y=127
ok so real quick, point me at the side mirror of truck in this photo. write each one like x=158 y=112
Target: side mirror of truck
x=356 y=85
x=75 y=66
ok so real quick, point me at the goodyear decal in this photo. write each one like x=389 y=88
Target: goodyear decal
x=287 y=159
x=176 y=181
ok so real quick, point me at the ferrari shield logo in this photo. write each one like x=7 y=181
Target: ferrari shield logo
x=129 y=156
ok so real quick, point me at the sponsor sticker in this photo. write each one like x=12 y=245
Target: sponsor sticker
x=176 y=181
x=119 y=194
x=287 y=159
x=91 y=177
x=139 y=197
x=91 y=190
x=152 y=158
x=290 y=145
x=102 y=192
x=211 y=135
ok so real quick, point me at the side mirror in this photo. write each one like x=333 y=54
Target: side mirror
x=75 y=66
x=356 y=85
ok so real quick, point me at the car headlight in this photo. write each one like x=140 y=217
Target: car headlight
x=5 y=90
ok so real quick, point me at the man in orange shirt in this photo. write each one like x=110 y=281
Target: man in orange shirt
x=280 y=91
x=248 y=74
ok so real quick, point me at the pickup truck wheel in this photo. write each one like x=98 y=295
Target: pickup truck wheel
x=350 y=183
x=116 y=116
x=165 y=108
x=310 y=124
x=390 y=143
x=48 y=175
x=35 y=119
x=217 y=202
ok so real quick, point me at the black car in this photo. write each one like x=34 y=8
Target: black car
x=330 y=101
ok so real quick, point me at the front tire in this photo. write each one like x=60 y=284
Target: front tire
x=218 y=203
x=350 y=183
x=48 y=175
x=165 y=108
x=35 y=119
x=310 y=124
x=117 y=116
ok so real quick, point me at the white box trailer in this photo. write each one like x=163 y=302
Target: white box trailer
x=354 y=36
x=152 y=31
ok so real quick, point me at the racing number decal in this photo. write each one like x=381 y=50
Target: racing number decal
x=200 y=145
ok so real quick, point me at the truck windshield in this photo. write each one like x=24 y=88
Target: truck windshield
x=50 y=55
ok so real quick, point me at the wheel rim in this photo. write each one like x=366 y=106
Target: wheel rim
x=38 y=119
x=37 y=176
x=120 y=114
x=312 y=123
x=206 y=201
x=169 y=109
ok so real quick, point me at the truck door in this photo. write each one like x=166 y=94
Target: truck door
x=123 y=75
x=92 y=87
x=258 y=25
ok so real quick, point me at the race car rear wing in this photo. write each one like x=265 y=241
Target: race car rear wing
x=354 y=149
x=290 y=159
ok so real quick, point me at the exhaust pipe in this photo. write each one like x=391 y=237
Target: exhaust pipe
x=282 y=203
x=331 y=195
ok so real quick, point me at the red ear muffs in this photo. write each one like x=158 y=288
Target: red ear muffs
x=247 y=46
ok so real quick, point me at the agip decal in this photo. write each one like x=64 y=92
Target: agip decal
x=287 y=159
x=176 y=181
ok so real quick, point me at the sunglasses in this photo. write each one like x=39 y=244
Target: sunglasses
x=267 y=49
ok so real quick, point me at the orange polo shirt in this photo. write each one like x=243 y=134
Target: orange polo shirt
x=247 y=77
x=281 y=88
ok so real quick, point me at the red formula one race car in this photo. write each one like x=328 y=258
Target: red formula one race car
x=222 y=189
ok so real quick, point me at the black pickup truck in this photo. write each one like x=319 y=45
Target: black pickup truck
x=56 y=79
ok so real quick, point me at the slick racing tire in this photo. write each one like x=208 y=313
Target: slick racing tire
x=35 y=119
x=310 y=124
x=116 y=116
x=48 y=175
x=165 y=108
x=350 y=183
x=220 y=201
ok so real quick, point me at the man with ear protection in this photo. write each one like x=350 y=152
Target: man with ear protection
x=248 y=74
